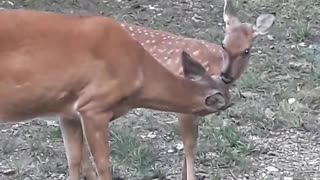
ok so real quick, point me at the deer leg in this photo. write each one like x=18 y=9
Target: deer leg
x=188 y=127
x=72 y=137
x=95 y=126
x=87 y=169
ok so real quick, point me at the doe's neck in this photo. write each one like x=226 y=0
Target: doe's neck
x=162 y=90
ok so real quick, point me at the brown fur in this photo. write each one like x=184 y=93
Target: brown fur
x=228 y=61
x=89 y=71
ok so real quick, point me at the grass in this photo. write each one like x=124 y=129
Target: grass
x=128 y=151
x=302 y=31
x=21 y=165
x=222 y=140
x=8 y=145
x=250 y=81
x=55 y=133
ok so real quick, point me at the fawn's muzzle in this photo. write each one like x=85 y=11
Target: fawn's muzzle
x=226 y=78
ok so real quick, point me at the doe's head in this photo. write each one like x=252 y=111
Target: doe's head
x=238 y=41
x=215 y=94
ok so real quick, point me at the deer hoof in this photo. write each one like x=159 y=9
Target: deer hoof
x=199 y=177
x=89 y=177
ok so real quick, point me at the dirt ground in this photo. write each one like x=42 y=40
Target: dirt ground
x=271 y=133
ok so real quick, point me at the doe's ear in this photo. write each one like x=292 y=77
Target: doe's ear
x=191 y=68
x=216 y=100
x=263 y=23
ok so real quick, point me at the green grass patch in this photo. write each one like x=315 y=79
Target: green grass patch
x=302 y=31
x=222 y=144
x=129 y=151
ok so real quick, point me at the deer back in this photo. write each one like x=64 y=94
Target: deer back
x=166 y=48
x=63 y=64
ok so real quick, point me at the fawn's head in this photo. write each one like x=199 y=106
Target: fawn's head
x=216 y=93
x=238 y=41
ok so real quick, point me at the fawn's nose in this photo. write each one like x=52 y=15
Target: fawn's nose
x=226 y=78
x=225 y=74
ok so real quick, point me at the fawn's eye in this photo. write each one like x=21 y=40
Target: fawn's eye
x=247 y=51
x=222 y=45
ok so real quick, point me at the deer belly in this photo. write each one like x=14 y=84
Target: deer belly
x=25 y=101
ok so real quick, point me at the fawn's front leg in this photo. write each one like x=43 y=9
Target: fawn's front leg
x=73 y=140
x=188 y=127
x=95 y=126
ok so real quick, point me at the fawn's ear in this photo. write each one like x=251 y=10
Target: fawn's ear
x=229 y=14
x=263 y=23
x=191 y=68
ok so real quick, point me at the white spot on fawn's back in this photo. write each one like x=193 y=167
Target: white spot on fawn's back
x=153 y=48
x=161 y=50
x=196 y=52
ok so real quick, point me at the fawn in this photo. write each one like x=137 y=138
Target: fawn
x=227 y=60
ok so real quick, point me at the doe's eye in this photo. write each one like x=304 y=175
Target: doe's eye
x=247 y=51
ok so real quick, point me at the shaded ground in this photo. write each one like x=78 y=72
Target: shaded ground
x=271 y=132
